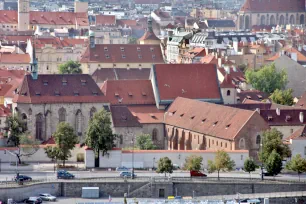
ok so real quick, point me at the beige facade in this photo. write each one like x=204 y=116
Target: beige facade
x=287 y=130
x=23 y=15
x=42 y=119
x=127 y=134
x=248 y=138
x=109 y=36
x=246 y=20
x=80 y=6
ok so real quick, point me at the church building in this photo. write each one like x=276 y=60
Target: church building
x=271 y=13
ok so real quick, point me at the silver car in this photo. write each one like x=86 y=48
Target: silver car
x=47 y=197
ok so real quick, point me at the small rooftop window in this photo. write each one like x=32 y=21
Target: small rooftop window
x=83 y=82
x=107 y=56
x=56 y=93
x=122 y=49
x=138 y=49
x=227 y=126
x=192 y=117
x=130 y=94
x=152 y=49
x=105 y=49
x=116 y=94
x=45 y=82
x=123 y=56
x=182 y=115
x=215 y=123
x=270 y=117
x=76 y=93
x=139 y=56
x=144 y=93
x=95 y=93
x=203 y=120
x=37 y=93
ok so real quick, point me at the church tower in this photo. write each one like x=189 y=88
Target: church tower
x=23 y=15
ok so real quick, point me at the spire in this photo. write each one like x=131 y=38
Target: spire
x=34 y=69
x=150 y=26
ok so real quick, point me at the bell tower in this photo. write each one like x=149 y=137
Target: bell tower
x=23 y=15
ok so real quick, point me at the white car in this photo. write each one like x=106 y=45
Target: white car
x=47 y=197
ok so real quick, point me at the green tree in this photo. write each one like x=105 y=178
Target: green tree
x=51 y=152
x=297 y=164
x=267 y=79
x=222 y=162
x=249 y=165
x=274 y=163
x=193 y=162
x=16 y=128
x=272 y=140
x=283 y=97
x=144 y=142
x=133 y=40
x=99 y=135
x=165 y=166
x=65 y=140
x=70 y=67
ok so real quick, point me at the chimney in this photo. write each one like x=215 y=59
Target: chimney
x=301 y=117
x=219 y=62
x=278 y=111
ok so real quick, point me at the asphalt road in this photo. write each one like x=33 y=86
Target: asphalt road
x=87 y=174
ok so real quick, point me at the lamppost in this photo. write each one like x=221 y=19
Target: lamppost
x=262 y=163
x=133 y=158
x=153 y=162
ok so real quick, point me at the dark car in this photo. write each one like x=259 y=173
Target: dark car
x=35 y=200
x=62 y=174
x=22 y=178
x=197 y=174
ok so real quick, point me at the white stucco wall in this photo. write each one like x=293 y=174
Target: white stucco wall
x=145 y=159
x=298 y=147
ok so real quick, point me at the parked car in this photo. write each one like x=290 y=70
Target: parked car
x=197 y=174
x=127 y=174
x=122 y=168
x=62 y=174
x=47 y=197
x=35 y=200
x=22 y=178
x=176 y=167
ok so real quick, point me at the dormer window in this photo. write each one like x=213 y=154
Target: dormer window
x=105 y=49
x=116 y=94
x=153 y=56
x=227 y=126
x=122 y=49
x=215 y=123
x=138 y=49
x=95 y=93
x=259 y=96
x=76 y=93
x=83 y=82
x=249 y=97
x=64 y=82
x=123 y=118
x=288 y=118
x=192 y=117
x=203 y=120
x=130 y=94
x=24 y=93
x=37 y=93
x=270 y=117
x=152 y=49
x=139 y=56
x=56 y=93
x=182 y=115
x=144 y=93
x=45 y=82
x=123 y=56
x=107 y=56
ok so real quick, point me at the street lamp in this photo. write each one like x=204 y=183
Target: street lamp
x=153 y=162
x=262 y=163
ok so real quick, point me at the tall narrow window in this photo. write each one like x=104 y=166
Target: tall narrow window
x=62 y=115
x=258 y=139
x=93 y=110
x=154 y=134
x=79 y=122
x=39 y=126
x=242 y=143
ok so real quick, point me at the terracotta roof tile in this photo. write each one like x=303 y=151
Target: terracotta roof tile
x=126 y=22
x=128 y=92
x=227 y=82
x=302 y=101
x=53 y=18
x=71 y=88
x=14 y=58
x=105 y=20
x=252 y=94
x=4 y=111
x=147 y=114
x=300 y=134
x=273 y=6
x=207 y=118
x=122 y=117
x=123 y=53
x=148 y=35
x=195 y=81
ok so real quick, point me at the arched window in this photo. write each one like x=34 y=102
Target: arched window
x=242 y=143
x=93 y=110
x=78 y=121
x=62 y=115
x=258 y=139
x=30 y=111
x=24 y=119
x=228 y=93
x=39 y=126
x=154 y=134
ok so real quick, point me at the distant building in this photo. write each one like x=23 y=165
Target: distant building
x=269 y=12
x=177 y=45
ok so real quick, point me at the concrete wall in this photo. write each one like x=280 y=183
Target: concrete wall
x=298 y=147
x=39 y=156
x=287 y=130
x=149 y=159
x=19 y=193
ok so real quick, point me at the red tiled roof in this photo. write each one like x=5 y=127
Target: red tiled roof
x=14 y=58
x=227 y=82
x=128 y=92
x=195 y=81
x=15 y=38
x=123 y=53
x=105 y=20
x=300 y=134
x=302 y=101
x=234 y=73
x=148 y=35
x=274 y=6
x=122 y=117
x=287 y=117
x=59 y=88
x=198 y=51
x=101 y=75
x=252 y=94
x=50 y=141
x=4 y=89
x=147 y=114
x=57 y=42
x=126 y=22
x=162 y=14
x=207 y=118
x=180 y=151
x=49 y=18
x=4 y=111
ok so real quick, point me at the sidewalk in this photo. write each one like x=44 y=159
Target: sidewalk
x=36 y=166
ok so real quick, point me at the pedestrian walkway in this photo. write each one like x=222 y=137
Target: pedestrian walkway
x=37 y=166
